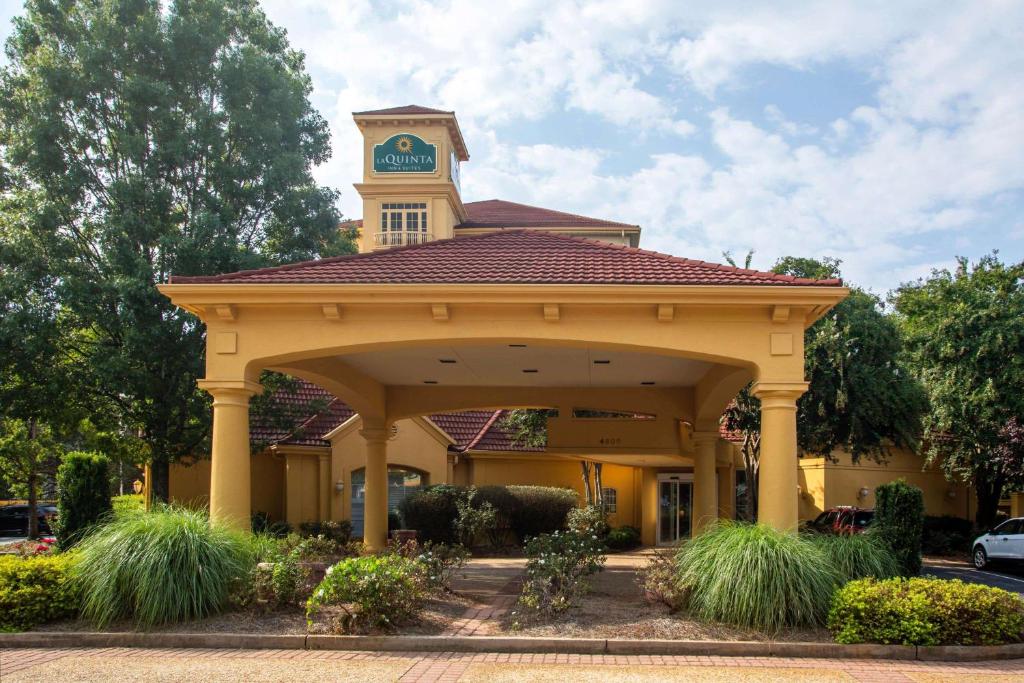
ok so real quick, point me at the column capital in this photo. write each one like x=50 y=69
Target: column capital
x=781 y=391
x=375 y=434
x=705 y=437
x=228 y=389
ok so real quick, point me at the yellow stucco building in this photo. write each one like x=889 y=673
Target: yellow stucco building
x=454 y=311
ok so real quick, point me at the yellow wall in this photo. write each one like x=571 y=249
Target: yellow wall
x=190 y=484
x=830 y=484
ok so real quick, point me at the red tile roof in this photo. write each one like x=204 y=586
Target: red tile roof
x=497 y=213
x=464 y=426
x=399 y=111
x=509 y=257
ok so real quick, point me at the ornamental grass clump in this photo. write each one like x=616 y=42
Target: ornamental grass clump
x=165 y=566
x=858 y=556
x=755 y=576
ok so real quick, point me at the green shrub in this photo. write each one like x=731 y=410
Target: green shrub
x=899 y=517
x=623 y=538
x=589 y=520
x=262 y=524
x=340 y=532
x=754 y=576
x=432 y=513
x=925 y=612
x=946 y=535
x=375 y=591
x=35 y=590
x=128 y=503
x=556 y=573
x=83 y=496
x=658 y=581
x=541 y=509
x=858 y=556
x=165 y=566
x=473 y=519
x=505 y=505
x=439 y=561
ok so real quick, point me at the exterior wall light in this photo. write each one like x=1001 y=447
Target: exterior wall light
x=863 y=493
x=339 y=486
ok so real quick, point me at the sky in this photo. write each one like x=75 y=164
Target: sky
x=887 y=134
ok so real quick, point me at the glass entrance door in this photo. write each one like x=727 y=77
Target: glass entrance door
x=675 y=507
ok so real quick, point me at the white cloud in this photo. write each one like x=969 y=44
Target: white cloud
x=880 y=185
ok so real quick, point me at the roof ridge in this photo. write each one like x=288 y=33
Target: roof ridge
x=483 y=430
x=316 y=414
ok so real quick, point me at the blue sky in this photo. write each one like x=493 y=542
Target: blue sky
x=887 y=134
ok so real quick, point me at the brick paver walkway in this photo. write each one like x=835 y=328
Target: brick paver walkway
x=494 y=585
x=130 y=664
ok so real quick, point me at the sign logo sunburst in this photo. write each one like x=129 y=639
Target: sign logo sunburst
x=403 y=145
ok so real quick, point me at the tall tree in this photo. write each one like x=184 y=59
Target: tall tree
x=964 y=331
x=160 y=140
x=860 y=398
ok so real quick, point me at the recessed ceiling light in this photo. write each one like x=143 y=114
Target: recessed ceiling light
x=531 y=370
x=647 y=383
x=448 y=360
x=430 y=381
x=602 y=362
x=517 y=346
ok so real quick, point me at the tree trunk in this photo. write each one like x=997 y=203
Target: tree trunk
x=585 y=473
x=598 y=486
x=32 y=483
x=988 y=494
x=159 y=471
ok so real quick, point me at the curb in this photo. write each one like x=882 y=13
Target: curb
x=478 y=644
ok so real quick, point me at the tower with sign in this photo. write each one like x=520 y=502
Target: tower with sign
x=410 y=186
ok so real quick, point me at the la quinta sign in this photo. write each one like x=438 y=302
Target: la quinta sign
x=404 y=153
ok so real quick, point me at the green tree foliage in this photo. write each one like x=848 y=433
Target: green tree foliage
x=899 y=520
x=83 y=496
x=27 y=452
x=860 y=396
x=527 y=426
x=158 y=140
x=965 y=337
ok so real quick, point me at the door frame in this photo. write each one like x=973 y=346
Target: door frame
x=681 y=478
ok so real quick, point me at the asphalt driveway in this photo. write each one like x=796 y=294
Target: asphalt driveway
x=1007 y=575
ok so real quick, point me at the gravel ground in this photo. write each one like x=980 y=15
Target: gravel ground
x=615 y=608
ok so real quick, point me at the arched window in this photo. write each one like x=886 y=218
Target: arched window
x=402 y=483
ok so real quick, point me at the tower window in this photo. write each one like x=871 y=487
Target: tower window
x=404 y=216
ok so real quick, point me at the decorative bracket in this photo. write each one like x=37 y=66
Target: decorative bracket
x=552 y=313
x=440 y=312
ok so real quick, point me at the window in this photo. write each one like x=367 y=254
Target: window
x=402 y=483
x=1007 y=528
x=610 y=497
x=403 y=217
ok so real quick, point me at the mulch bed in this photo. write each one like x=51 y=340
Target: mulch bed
x=616 y=608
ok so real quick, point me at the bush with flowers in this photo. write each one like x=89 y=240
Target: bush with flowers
x=440 y=561
x=374 y=592
x=556 y=573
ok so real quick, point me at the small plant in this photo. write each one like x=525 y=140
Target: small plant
x=623 y=538
x=858 y=556
x=754 y=576
x=83 y=496
x=340 y=532
x=129 y=503
x=898 y=521
x=589 y=520
x=505 y=505
x=473 y=519
x=556 y=573
x=925 y=611
x=165 y=566
x=371 y=592
x=36 y=590
x=658 y=581
x=262 y=524
x=439 y=561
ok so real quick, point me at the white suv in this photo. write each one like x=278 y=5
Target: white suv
x=1005 y=542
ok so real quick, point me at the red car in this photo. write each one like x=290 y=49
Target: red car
x=842 y=520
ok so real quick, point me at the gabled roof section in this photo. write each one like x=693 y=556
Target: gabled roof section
x=407 y=109
x=497 y=213
x=509 y=257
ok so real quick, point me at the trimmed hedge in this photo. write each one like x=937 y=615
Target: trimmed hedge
x=899 y=517
x=925 y=612
x=505 y=505
x=83 y=496
x=432 y=513
x=542 y=509
x=947 y=535
x=35 y=590
x=623 y=538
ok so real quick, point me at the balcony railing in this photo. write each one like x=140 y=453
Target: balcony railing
x=397 y=238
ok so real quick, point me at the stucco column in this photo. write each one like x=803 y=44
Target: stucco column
x=705 y=488
x=777 y=492
x=375 y=520
x=230 y=459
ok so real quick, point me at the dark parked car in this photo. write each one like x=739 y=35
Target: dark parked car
x=842 y=520
x=14 y=519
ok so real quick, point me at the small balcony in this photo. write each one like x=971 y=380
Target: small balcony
x=398 y=238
